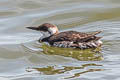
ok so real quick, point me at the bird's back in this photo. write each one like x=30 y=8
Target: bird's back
x=73 y=36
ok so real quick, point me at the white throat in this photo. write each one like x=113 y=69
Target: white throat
x=44 y=35
x=52 y=30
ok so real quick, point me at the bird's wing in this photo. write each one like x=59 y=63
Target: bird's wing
x=73 y=36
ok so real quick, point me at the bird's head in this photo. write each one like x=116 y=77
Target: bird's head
x=46 y=27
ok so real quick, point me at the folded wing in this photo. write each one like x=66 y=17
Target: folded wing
x=74 y=36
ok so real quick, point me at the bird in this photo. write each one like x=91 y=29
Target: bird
x=67 y=39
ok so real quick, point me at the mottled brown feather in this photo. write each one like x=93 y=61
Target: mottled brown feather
x=73 y=36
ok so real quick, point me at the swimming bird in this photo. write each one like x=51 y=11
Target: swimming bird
x=68 y=39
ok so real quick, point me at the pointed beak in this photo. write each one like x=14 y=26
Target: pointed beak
x=33 y=28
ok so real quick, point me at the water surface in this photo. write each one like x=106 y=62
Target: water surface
x=23 y=58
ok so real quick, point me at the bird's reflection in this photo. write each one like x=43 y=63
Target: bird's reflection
x=53 y=70
x=82 y=55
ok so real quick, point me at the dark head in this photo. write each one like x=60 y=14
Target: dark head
x=46 y=27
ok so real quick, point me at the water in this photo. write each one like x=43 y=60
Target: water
x=23 y=58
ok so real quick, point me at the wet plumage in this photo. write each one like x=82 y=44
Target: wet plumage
x=69 y=39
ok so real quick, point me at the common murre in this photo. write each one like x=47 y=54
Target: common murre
x=68 y=39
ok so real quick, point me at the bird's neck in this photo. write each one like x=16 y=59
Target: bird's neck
x=53 y=31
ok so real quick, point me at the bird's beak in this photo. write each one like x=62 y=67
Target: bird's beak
x=33 y=28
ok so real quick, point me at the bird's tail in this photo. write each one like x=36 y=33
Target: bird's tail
x=95 y=33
